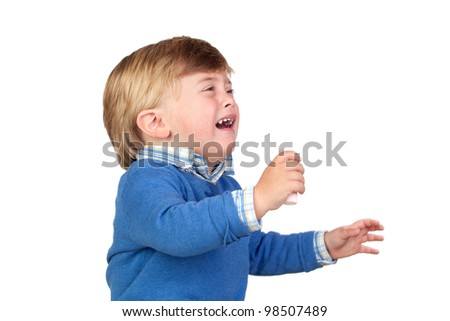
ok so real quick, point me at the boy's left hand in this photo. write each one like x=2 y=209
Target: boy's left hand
x=348 y=240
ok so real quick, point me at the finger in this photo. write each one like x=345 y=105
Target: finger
x=301 y=188
x=294 y=157
x=372 y=238
x=296 y=186
x=290 y=157
x=292 y=164
x=295 y=176
x=368 y=250
x=280 y=158
x=295 y=167
x=370 y=224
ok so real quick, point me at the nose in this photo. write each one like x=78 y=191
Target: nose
x=229 y=105
x=228 y=101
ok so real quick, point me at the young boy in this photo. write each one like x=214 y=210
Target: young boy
x=184 y=229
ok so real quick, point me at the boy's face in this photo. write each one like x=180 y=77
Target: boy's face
x=205 y=110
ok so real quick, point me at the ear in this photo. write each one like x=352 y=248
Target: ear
x=151 y=124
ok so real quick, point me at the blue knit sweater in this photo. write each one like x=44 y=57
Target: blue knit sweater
x=179 y=237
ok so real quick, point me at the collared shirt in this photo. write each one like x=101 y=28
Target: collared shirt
x=188 y=161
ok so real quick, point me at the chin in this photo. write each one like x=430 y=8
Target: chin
x=230 y=148
x=226 y=146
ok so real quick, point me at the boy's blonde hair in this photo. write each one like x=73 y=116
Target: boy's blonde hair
x=140 y=80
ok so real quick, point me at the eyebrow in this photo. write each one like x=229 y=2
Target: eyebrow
x=214 y=78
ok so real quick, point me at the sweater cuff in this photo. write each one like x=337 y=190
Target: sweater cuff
x=322 y=255
x=245 y=207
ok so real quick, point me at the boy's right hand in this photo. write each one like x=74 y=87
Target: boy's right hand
x=281 y=178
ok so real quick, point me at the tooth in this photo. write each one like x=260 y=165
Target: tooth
x=220 y=122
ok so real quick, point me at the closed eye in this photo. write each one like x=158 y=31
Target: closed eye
x=212 y=88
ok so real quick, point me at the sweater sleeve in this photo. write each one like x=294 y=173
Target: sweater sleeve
x=274 y=254
x=152 y=212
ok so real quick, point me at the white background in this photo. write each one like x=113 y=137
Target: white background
x=374 y=73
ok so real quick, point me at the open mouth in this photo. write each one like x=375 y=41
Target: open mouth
x=225 y=123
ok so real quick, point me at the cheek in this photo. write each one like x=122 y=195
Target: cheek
x=200 y=126
x=204 y=129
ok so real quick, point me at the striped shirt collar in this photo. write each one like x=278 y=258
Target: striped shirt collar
x=186 y=160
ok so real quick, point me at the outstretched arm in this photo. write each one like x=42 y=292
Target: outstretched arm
x=348 y=240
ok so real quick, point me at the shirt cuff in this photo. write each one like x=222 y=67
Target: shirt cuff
x=246 y=209
x=322 y=255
